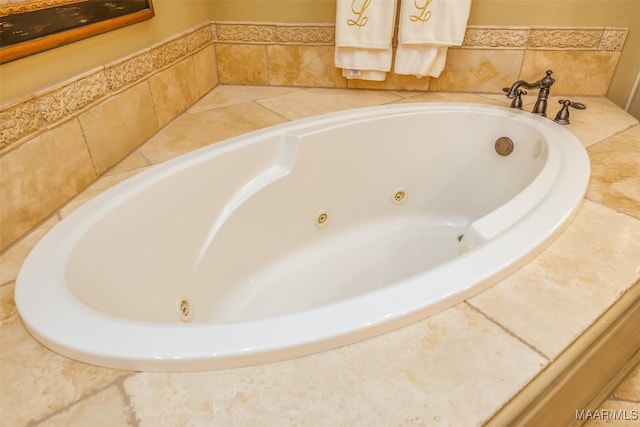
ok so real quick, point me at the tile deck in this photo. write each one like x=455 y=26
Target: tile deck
x=455 y=368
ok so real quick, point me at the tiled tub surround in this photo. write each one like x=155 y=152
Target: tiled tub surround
x=458 y=367
x=61 y=139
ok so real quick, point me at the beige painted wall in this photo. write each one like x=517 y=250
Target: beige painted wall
x=25 y=76
x=605 y=13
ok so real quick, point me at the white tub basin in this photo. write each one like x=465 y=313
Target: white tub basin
x=218 y=258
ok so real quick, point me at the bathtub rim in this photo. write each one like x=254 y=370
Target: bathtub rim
x=134 y=336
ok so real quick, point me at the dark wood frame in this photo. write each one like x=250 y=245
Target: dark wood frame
x=96 y=26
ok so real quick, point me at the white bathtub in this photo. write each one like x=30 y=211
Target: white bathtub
x=230 y=234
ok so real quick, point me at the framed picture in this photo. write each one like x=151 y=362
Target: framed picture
x=31 y=26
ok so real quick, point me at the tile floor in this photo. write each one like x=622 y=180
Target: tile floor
x=455 y=368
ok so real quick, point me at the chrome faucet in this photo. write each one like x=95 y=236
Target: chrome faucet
x=544 y=84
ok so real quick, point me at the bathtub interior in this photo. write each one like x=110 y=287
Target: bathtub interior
x=235 y=232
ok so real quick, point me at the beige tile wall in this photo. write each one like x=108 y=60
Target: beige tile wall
x=56 y=142
x=583 y=59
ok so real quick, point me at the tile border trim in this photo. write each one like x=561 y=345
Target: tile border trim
x=476 y=36
x=55 y=105
x=27 y=117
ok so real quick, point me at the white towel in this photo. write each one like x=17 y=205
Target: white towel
x=364 y=29
x=426 y=29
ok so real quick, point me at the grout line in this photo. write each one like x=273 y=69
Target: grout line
x=247 y=101
x=531 y=346
x=627 y=214
x=77 y=401
x=255 y=101
x=601 y=203
x=109 y=174
x=215 y=50
x=93 y=162
x=199 y=84
x=129 y=406
x=7 y=283
x=610 y=136
x=524 y=53
x=266 y=64
x=633 y=93
x=73 y=199
x=146 y=159
x=399 y=98
x=618 y=399
x=155 y=110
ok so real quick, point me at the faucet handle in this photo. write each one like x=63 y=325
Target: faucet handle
x=563 y=115
x=576 y=105
x=517 y=101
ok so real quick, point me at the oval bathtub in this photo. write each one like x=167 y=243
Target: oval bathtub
x=301 y=237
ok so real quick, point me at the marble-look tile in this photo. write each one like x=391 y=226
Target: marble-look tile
x=133 y=161
x=576 y=72
x=191 y=131
x=96 y=188
x=11 y=260
x=204 y=63
x=393 y=81
x=8 y=311
x=615 y=172
x=527 y=100
x=629 y=389
x=478 y=70
x=105 y=409
x=174 y=90
x=119 y=125
x=452 y=97
x=242 y=64
x=225 y=95
x=406 y=93
x=303 y=66
x=615 y=413
x=35 y=381
x=553 y=299
x=41 y=175
x=418 y=375
x=309 y=102
x=600 y=120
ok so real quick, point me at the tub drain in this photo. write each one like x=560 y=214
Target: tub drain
x=504 y=146
x=183 y=308
x=322 y=218
x=399 y=196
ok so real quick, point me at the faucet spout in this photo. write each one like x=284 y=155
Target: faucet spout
x=544 y=84
x=513 y=90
